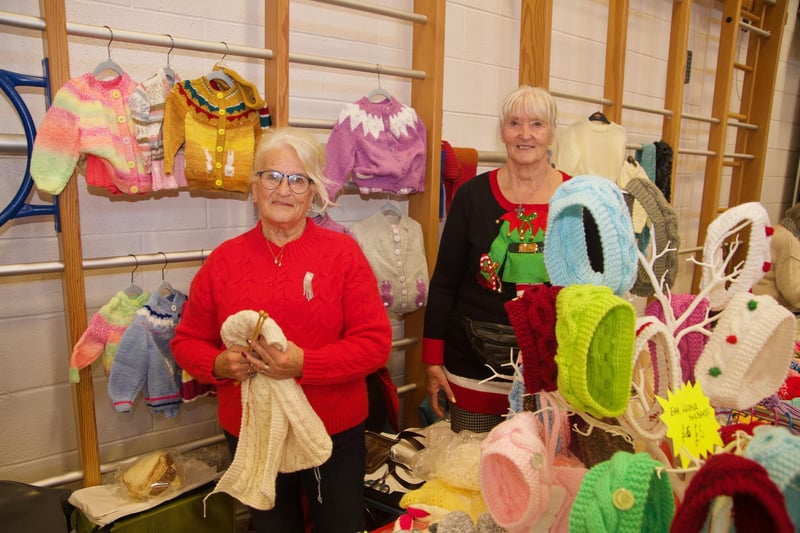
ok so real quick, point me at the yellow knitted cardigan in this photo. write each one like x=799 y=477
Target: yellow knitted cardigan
x=218 y=129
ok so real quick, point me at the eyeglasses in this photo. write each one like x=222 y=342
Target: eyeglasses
x=271 y=180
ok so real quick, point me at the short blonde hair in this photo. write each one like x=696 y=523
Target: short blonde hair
x=309 y=151
x=533 y=101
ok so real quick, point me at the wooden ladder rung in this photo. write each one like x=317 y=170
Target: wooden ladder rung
x=743 y=67
x=738 y=116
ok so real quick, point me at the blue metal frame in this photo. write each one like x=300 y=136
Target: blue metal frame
x=18 y=207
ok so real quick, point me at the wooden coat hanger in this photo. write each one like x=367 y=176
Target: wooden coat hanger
x=109 y=63
x=219 y=75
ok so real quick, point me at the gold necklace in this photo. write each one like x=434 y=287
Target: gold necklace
x=277 y=257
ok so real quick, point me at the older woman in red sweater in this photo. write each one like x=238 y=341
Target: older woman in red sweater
x=318 y=287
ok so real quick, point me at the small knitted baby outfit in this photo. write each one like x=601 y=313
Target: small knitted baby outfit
x=396 y=253
x=280 y=432
x=381 y=145
x=144 y=356
x=219 y=128
x=104 y=332
x=147 y=111
x=89 y=116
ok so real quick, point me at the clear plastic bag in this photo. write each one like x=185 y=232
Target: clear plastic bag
x=154 y=474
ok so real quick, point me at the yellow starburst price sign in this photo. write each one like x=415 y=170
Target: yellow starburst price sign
x=690 y=422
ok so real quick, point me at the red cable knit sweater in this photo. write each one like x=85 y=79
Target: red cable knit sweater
x=340 y=323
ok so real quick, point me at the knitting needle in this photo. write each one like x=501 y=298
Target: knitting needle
x=262 y=317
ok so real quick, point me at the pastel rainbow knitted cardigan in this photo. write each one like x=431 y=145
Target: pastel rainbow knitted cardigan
x=219 y=130
x=89 y=116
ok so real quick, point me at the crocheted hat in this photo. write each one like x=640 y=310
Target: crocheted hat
x=665 y=226
x=533 y=316
x=691 y=345
x=565 y=253
x=758 y=252
x=519 y=478
x=758 y=505
x=280 y=431
x=623 y=494
x=748 y=355
x=654 y=341
x=595 y=331
x=777 y=450
x=514 y=472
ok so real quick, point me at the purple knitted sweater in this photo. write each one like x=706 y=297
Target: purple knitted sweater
x=381 y=145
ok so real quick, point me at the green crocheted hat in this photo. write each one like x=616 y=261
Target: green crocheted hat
x=595 y=332
x=623 y=494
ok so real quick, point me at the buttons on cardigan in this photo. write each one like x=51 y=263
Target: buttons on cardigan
x=134 y=189
x=121 y=119
x=220 y=96
x=131 y=164
x=115 y=94
x=221 y=131
x=218 y=183
x=623 y=499
x=219 y=148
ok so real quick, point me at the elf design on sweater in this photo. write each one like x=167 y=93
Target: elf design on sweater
x=144 y=356
x=382 y=145
x=219 y=129
x=90 y=117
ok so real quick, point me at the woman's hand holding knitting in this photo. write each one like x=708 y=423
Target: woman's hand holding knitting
x=233 y=363
x=277 y=364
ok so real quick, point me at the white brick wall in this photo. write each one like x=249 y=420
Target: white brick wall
x=481 y=56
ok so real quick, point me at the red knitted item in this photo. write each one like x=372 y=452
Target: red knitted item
x=692 y=344
x=533 y=317
x=758 y=505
